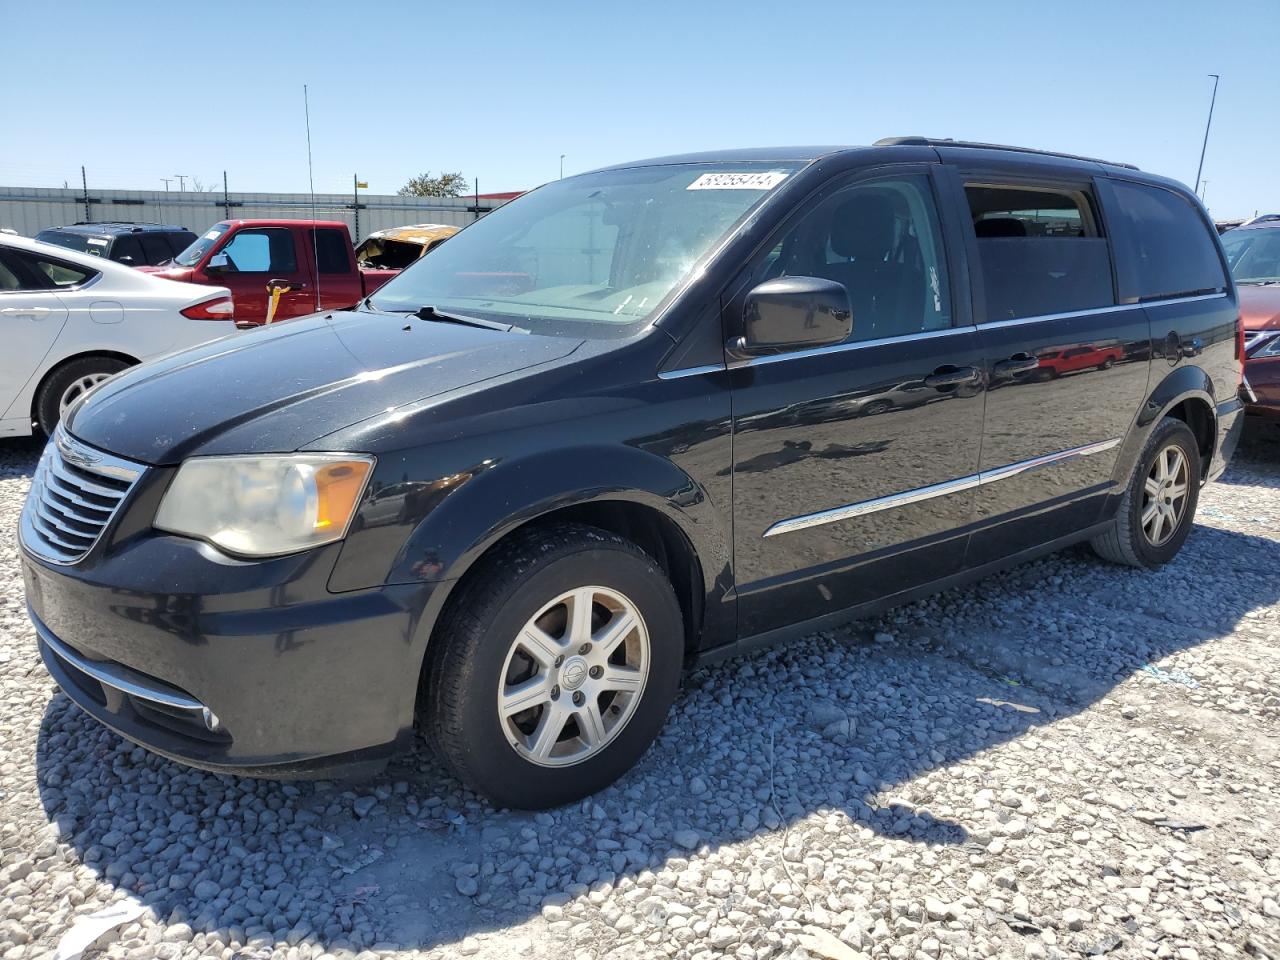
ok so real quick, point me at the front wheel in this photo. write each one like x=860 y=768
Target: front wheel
x=554 y=667
x=1159 y=503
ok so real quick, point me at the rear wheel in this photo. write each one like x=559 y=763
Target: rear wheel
x=1159 y=504
x=554 y=667
x=69 y=383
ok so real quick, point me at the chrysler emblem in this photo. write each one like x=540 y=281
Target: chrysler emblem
x=75 y=454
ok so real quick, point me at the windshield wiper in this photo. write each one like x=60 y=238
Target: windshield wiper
x=429 y=312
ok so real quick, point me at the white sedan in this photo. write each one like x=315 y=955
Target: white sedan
x=70 y=320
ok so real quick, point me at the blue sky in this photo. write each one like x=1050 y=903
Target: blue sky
x=137 y=91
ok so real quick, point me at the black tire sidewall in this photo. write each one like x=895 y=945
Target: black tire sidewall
x=493 y=765
x=1170 y=431
x=50 y=396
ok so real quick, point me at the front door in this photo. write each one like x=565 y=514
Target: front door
x=1066 y=364
x=252 y=257
x=853 y=464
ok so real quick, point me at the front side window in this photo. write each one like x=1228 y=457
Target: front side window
x=590 y=254
x=260 y=250
x=1164 y=246
x=155 y=248
x=1040 y=250
x=1254 y=255
x=881 y=240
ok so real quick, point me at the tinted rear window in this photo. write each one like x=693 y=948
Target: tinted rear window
x=1040 y=250
x=1164 y=246
x=331 y=251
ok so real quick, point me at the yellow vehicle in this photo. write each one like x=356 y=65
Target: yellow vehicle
x=397 y=247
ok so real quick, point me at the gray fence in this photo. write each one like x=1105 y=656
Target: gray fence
x=28 y=210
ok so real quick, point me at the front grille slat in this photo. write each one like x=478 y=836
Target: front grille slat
x=70 y=504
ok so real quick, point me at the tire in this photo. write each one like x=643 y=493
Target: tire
x=1106 y=364
x=69 y=382
x=1129 y=541
x=480 y=654
x=877 y=407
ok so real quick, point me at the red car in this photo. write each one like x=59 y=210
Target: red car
x=1054 y=363
x=1253 y=251
x=312 y=261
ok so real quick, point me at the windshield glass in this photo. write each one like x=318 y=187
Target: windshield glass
x=75 y=241
x=587 y=255
x=1254 y=255
x=193 y=254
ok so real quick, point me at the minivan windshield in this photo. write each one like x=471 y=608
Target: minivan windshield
x=591 y=254
x=1254 y=255
x=193 y=254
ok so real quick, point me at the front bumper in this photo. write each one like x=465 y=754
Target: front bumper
x=1230 y=418
x=247 y=668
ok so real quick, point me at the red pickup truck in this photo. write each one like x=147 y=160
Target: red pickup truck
x=312 y=261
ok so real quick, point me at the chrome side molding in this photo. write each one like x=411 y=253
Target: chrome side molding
x=936 y=489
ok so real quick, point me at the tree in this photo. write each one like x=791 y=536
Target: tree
x=445 y=185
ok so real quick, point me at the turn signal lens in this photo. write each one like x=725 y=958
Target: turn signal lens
x=219 y=308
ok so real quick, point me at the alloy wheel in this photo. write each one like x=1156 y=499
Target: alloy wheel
x=78 y=388
x=1164 y=496
x=573 y=676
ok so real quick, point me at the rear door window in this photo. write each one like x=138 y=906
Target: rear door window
x=128 y=250
x=155 y=248
x=331 y=251
x=1041 y=249
x=31 y=271
x=1164 y=246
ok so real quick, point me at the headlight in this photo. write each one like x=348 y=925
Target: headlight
x=265 y=506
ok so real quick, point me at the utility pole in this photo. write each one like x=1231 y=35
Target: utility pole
x=226 y=198
x=355 y=201
x=84 y=183
x=562 y=166
x=182 y=181
x=1208 y=122
x=1204 y=192
x=166 y=181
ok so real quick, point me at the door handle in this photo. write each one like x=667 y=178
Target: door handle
x=288 y=286
x=35 y=313
x=949 y=376
x=1018 y=363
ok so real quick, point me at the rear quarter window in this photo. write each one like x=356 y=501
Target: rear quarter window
x=1164 y=245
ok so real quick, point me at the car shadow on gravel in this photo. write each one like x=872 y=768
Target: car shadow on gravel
x=849 y=725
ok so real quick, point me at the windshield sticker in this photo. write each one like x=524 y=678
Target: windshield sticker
x=737 y=181
x=98 y=241
x=213 y=235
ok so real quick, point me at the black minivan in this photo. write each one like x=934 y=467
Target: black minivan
x=638 y=418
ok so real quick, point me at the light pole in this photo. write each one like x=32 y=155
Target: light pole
x=182 y=181
x=562 y=166
x=1205 y=145
x=166 y=181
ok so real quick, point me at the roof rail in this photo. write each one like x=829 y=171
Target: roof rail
x=947 y=142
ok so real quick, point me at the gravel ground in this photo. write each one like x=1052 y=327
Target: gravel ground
x=1070 y=759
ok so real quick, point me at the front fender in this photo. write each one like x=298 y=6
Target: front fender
x=467 y=513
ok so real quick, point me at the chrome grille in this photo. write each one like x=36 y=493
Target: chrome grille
x=75 y=492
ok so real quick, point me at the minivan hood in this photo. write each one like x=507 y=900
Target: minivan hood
x=1259 y=306
x=275 y=389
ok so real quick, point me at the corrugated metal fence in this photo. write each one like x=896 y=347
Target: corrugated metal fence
x=29 y=210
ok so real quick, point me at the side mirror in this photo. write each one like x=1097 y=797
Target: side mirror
x=217 y=262
x=792 y=313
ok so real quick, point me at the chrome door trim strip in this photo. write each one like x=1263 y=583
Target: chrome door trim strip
x=691 y=371
x=853 y=345
x=1050 y=317
x=936 y=489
